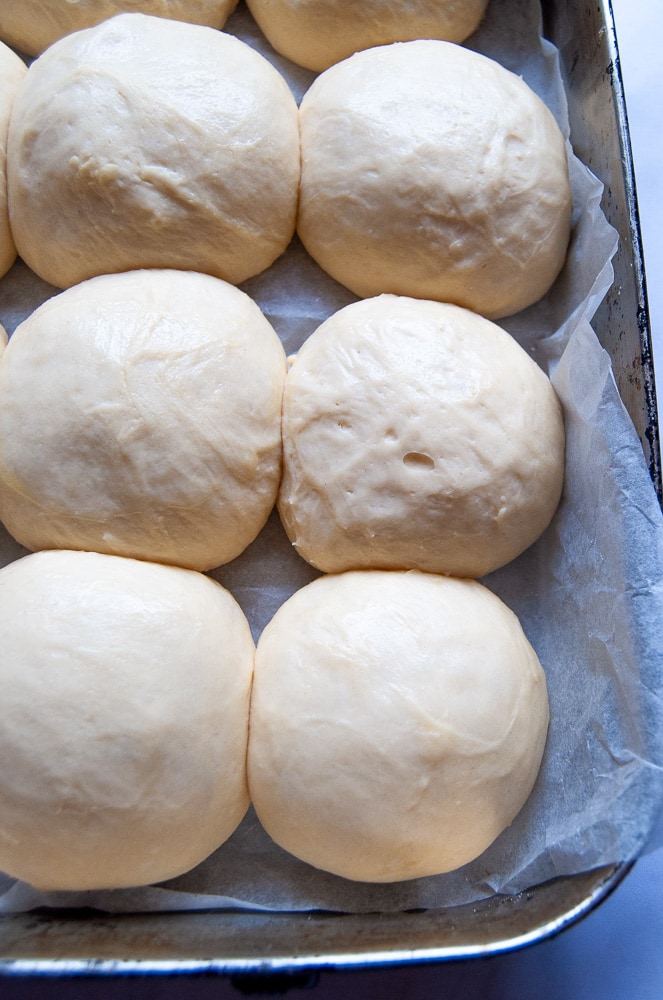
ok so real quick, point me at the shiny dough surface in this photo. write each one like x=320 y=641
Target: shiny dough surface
x=318 y=33
x=140 y=415
x=33 y=25
x=145 y=142
x=123 y=732
x=430 y=170
x=397 y=724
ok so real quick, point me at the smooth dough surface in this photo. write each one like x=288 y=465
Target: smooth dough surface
x=140 y=415
x=12 y=71
x=33 y=25
x=397 y=724
x=430 y=170
x=123 y=732
x=417 y=435
x=318 y=33
x=145 y=142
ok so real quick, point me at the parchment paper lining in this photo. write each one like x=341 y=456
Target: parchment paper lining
x=589 y=594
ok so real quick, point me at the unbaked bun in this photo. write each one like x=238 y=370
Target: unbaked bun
x=430 y=170
x=397 y=724
x=123 y=730
x=12 y=71
x=146 y=142
x=317 y=33
x=32 y=25
x=417 y=435
x=140 y=415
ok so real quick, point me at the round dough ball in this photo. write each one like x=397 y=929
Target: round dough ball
x=12 y=71
x=33 y=25
x=124 y=725
x=140 y=415
x=397 y=724
x=430 y=170
x=145 y=142
x=318 y=33
x=417 y=435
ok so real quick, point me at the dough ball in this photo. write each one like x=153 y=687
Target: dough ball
x=397 y=724
x=417 y=435
x=123 y=730
x=140 y=415
x=12 y=71
x=33 y=25
x=430 y=170
x=145 y=142
x=318 y=33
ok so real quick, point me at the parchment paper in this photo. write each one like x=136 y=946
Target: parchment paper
x=589 y=594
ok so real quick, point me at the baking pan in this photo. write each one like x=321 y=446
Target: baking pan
x=585 y=36
x=52 y=943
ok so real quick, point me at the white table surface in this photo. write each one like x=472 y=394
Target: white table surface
x=616 y=953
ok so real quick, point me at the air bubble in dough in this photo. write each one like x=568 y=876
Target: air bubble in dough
x=430 y=170
x=33 y=25
x=140 y=415
x=145 y=142
x=123 y=730
x=318 y=33
x=397 y=725
x=417 y=435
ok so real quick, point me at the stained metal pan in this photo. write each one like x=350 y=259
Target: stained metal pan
x=585 y=35
x=53 y=943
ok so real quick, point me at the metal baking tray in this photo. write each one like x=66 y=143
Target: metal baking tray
x=52 y=943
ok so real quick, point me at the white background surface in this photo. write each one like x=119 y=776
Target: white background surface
x=639 y=24
x=617 y=952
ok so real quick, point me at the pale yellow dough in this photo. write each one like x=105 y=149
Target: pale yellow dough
x=397 y=725
x=123 y=730
x=33 y=25
x=140 y=415
x=318 y=33
x=145 y=142
x=417 y=435
x=12 y=71
x=430 y=170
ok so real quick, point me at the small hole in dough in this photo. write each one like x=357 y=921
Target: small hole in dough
x=418 y=461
